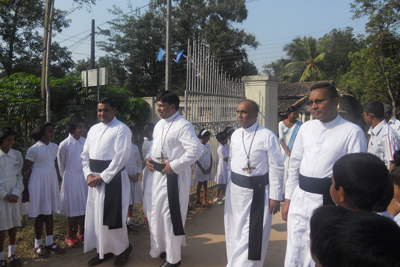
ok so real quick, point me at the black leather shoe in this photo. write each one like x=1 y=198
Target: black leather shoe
x=96 y=260
x=163 y=255
x=123 y=257
x=167 y=264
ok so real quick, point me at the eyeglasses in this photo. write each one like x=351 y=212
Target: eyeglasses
x=316 y=101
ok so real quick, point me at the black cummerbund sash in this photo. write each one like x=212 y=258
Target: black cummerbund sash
x=317 y=186
x=257 y=183
x=173 y=199
x=112 y=195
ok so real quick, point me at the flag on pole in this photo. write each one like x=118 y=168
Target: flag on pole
x=179 y=55
x=161 y=54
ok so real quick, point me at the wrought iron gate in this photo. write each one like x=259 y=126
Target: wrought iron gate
x=211 y=96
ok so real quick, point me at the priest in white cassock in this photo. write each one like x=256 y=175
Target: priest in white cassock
x=254 y=193
x=319 y=144
x=106 y=151
x=175 y=148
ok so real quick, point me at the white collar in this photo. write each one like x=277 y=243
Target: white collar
x=170 y=118
x=331 y=123
x=11 y=153
x=252 y=128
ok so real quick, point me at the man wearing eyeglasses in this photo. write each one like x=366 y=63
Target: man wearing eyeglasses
x=318 y=145
x=384 y=140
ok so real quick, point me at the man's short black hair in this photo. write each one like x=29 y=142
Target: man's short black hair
x=109 y=101
x=73 y=122
x=323 y=214
x=357 y=239
x=332 y=92
x=364 y=177
x=169 y=97
x=6 y=131
x=388 y=108
x=395 y=176
x=375 y=107
x=39 y=129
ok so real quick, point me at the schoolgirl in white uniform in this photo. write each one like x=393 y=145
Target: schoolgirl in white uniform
x=221 y=177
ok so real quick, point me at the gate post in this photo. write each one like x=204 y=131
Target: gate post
x=263 y=89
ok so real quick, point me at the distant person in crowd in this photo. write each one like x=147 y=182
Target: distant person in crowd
x=175 y=148
x=319 y=144
x=134 y=168
x=229 y=131
x=288 y=130
x=221 y=177
x=74 y=189
x=41 y=186
x=146 y=148
x=105 y=154
x=390 y=119
x=384 y=140
x=350 y=239
x=360 y=181
x=11 y=187
x=255 y=191
x=204 y=171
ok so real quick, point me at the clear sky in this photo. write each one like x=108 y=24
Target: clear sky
x=274 y=23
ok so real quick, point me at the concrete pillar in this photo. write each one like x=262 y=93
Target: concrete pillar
x=263 y=89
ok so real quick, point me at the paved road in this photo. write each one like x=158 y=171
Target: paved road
x=205 y=245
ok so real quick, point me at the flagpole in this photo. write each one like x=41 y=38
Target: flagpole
x=168 y=49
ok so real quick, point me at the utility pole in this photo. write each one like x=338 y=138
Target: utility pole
x=92 y=58
x=45 y=87
x=168 y=48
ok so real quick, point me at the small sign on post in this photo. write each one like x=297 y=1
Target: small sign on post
x=95 y=78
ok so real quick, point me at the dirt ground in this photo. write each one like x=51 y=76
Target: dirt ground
x=205 y=245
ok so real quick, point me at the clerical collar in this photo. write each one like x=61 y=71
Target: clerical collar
x=252 y=128
x=110 y=121
x=331 y=123
x=170 y=118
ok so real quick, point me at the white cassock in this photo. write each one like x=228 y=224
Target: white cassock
x=317 y=147
x=266 y=157
x=110 y=141
x=146 y=150
x=183 y=148
x=134 y=166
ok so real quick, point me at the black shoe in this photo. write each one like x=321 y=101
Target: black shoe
x=163 y=255
x=167 y=264
x=96 y=260
x=123 y=257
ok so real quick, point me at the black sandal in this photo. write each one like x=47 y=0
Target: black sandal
x=96 y=260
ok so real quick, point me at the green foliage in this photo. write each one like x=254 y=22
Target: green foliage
x=21 y=107
x=21 y=43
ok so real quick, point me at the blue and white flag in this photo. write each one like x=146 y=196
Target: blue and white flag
x=179 y=55
x=161 y=54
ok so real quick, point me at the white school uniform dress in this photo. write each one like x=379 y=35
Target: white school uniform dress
x=317 y=147
x=183 y=148
x=110 y=141
x=395 y=124
x=74 y=188
x=383 y=142
x=44 y=195
x=10 y=184
x=134 y=166
x=146 y=149
x=205 y=161
x=266 y=157
x=221 y=177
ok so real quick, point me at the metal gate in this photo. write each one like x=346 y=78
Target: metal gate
x=211 y=96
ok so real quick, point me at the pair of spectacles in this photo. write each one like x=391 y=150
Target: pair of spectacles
x=316 y=101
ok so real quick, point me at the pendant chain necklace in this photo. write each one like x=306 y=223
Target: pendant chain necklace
x=163 y=140
x=249 y=168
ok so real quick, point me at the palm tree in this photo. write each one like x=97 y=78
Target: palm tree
x=307 y=56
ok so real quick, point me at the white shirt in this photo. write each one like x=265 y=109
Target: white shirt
x=134 y=164
x=395 y=124
x=107 y=142
x=179 y=146
x=383 y=142
x=11 y=169
x=69 y=155
x=265 y=156
x=42 y=155
x=206 y=156
x=319 y=145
